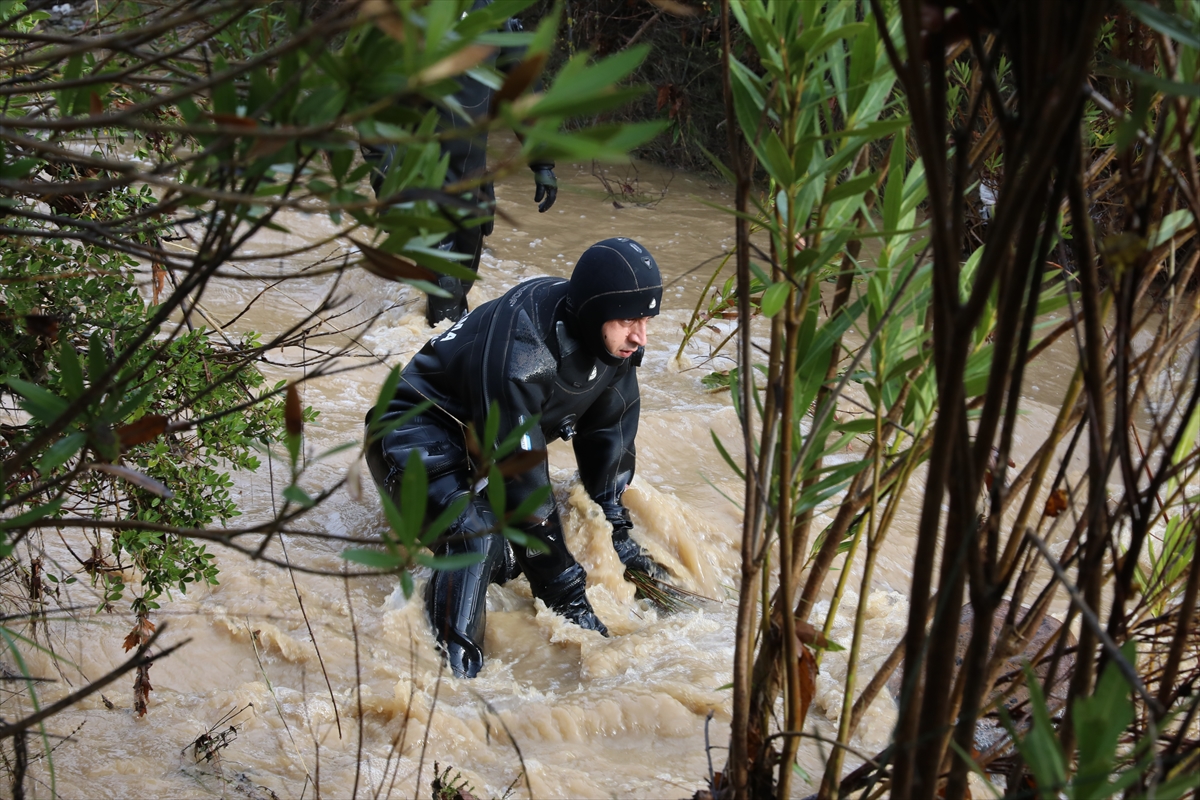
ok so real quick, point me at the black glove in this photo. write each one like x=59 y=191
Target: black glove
x=630 y=552
x=565 y=594
x=547 y=186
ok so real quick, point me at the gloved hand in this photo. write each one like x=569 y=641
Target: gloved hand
x=565 y=594
x=547 y=186
x=630 y=552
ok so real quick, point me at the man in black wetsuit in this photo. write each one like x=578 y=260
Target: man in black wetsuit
x=468 y=159
x=567 y=351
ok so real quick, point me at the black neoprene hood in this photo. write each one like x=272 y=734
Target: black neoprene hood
x=613 y=279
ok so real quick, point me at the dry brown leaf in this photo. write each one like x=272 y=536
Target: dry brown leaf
x=675 y=7
x=519 y=78
x=141 y=690
x=42 y=325
x=141 y=430
x=384 y=15
x=1056 y=503
x=264 y=147
x=808 y=682
x=159 y=279
x=293 y=414
x=236 y=120
x=520 y=462
x=143 y=629
x=393 y=267
x=807 y=634
x=454 y=64
x=354 y=481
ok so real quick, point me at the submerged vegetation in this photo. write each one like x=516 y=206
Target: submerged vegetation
x=944 y=190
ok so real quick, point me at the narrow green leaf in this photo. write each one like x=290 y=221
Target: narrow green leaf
x=774 y=297
x=414 y=496
x=294 y=494
x=71 y=369
x=377 y=559
x=61 y=451
x=43 y=405
x=32 y=515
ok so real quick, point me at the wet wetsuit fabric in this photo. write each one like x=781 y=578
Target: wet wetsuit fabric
x=468 y=159
x=524 y=351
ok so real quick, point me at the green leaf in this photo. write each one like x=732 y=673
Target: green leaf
x=774 y=297
x=32 y=515
x=522 y=539
x=61 y=451
x=491 y=428
x=737 y=470
x=414 y=495
x=396 y=531
x=1040 y=746
x=443 y=520
x=530 y=504
x=44 y=406
x=1180 y=29
x=1099 y=722
x=857 y=185
x=71 y=370
x=776 y=160
x=377 y=559
x=496 y=492
x=294 y=494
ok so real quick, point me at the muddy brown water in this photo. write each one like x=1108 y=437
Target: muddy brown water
x=557 y=711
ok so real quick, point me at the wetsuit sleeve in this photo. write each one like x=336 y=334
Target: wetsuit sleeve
x=604 y=442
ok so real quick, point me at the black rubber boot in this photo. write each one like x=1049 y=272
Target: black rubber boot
x=456 y=600
x=452 y=307
x=470 y=242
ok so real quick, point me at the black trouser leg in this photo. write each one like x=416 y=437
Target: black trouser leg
x=470 y=242
x=456 y=600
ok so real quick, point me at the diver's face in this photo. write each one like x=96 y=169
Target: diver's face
x=622 y=337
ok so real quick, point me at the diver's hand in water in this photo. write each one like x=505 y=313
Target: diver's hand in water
x=630 y=552
x=547 y=186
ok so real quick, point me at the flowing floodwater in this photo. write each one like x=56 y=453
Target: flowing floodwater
x=557 y=711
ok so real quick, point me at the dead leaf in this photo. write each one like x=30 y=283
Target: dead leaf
x=664 y=96
x=95 y=105
x=354 y=481
x=392 y=267
x=385 y=17
x=519 y=78
x=136 y=478
x=807 y=634
x=42 y=325
x=141 y=430
x=264 y=147
x=141 y=633
x=520 y=462
x=808 y=682
x=1056 y=503
x=293 y=414
x=454 y=64
x=142 y=689
x=675 y=7
x=236 y=120
x=159 y=279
